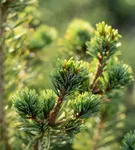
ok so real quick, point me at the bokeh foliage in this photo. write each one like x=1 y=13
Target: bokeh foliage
x=32 y=68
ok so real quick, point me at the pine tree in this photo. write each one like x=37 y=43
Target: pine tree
x=45 y=116
x=103 y=50
x=55 y=117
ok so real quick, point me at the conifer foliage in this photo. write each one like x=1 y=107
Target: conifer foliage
x=129 y=141
x=45 y=114
x=108 y=78
x=55 y=117
x=75 y=38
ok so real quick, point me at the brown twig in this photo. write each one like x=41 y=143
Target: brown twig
x=98 y=73
x=99 y=91
x=53 y=115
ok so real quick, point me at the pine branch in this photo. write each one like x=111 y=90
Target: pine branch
x=102 y=46
x=129 y=141
x=53 y=115
x=40 y=112
x=47 y=111
x=98 y=74
x=66 y=78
